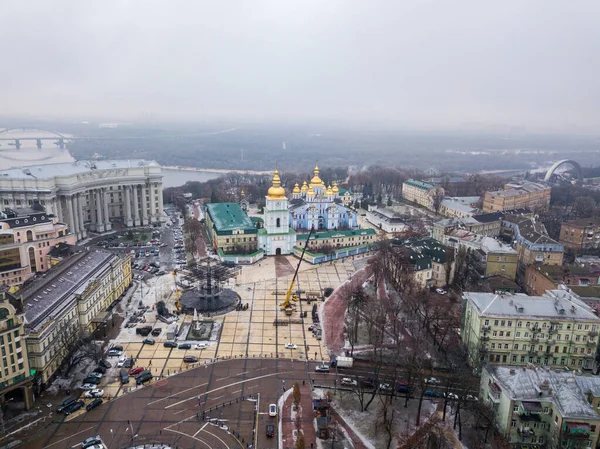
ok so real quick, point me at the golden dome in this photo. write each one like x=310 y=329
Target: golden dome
x=276 y=191
x=310 y=192
x=329 y=191
x=335 y=188
x=296 y=189
x=316 y=181
x=304 y=187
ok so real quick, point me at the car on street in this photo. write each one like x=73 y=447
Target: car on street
x=349 y=382
x=432 y=393
x=121 y=361
x=441 y=291
x=403 y=387
x=451 y=396
x=470 y=397
x=95 y=374
x=367 y=383
x=201 y=345
x=95 y=393
x=148 y=341
x=92 y=405
x=272 y=409
x=91 y=441
x=432 y=381
x=135 y=371
x=185 y=346
x=170 y=344
x=270 y=431
x=114 y=352
x=322 y=369
x=291 y=346
x=74 y=407
x=91 y=380
x=88 y=386
x=65 y=404
x=190 y=359
x=385 y=387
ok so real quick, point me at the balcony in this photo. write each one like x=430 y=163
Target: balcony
x=485 y=338
x=494 y=393
x=535 y=330
x=593 y=333
x=590 y=343
x=577 y=430
x=532 y=352
x=550 y=342
x=485 y=328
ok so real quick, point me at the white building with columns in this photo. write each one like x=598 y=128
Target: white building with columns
x=87 y=195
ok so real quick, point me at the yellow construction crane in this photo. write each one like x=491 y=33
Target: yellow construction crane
x=287 y=305
x=178 y=303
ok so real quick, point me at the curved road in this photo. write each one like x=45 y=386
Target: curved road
x=169 y=411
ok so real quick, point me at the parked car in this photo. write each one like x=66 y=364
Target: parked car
x=65 y=403
x=148 y=341
x=432 y=393
x=156 y=331
x=143 y=377
x=272 y=409
x=270 y=430
x=95 y=393
x=114 y=352
x=190 y=359
x=170 y=344
x=95 y=374
x=349 y=382
x=74 y=407
x=91 y=380
x=136 y=371
x=92 y=405
x=441 y=291
x=385 y=387
x=403 y=387
x=432 y=381
x=124 y=376
x=121 y=361
x=105 y=364
x=185 y=346
x=322 y=369
x=88 y=386
x=91 y=441
x=201 y=345
x=290 y=346
x=100 y=370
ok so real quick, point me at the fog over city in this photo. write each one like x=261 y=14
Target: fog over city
x=421 y=64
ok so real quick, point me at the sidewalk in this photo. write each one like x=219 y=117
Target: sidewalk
x=307 y=418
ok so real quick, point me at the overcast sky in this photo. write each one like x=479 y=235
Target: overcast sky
x=418 y=62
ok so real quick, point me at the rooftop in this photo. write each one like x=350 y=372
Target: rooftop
x=423 y=251
x=565 y=389
x=229 y=217
x=22 y=217
x=483 y=242
x=499 y=282
x=48 y=292
x=337 y=234
x=587 y=292
x=74 y=168
x=519 y=189
x=521 y=306
x=459 y=206
x=419 y=184
x=558 y=273
x=531 y=230
x=584 y=222
x=495 y=216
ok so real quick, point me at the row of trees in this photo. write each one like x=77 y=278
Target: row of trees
x=411 y=334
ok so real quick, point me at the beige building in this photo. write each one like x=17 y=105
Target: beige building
x=527 y=195
x=73 y=299
x=230 y=229
x=87 y=195
x=516 y=329
x=26 y=238
x=421 y=192
x=543 y=408
x=580 y=235
x=14 y=370
x=459 y=206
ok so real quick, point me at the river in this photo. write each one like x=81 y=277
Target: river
x=175 y=178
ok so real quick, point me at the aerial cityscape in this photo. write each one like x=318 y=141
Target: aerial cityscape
x=293 y=225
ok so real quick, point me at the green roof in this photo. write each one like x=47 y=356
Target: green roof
x=429 y=248
x=228 y=217
x=420 y=184
x=338 y=234
x=257 y=220
x=342 y=192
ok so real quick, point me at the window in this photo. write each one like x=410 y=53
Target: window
x=527 y=324
x=510 y=324
x=493 y=345
x=501 y=333
x=516 y=347
x=494 y=333
x=513 y=423
x=508 y=334
x=518 y=334
x=505 y=345
x=502 y=323
x=515 y=408
x=519 y=324
x=496 y=323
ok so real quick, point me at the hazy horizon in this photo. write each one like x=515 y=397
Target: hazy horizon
x=528 y=64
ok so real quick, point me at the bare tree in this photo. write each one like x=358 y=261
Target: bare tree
x=385 y=418
x=77 y=348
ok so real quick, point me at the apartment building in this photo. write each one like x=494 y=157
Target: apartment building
x=459 y=206
x=73 y=299
x=14 y=370
x=528 y=195
x=421 y=192
x=543 y=408
x=531 y=241
x=516 y=329
x=430 y=261
x=490 y=257
x=581 y=235
x=26 y=237
x=229 y=228
x=540 y=278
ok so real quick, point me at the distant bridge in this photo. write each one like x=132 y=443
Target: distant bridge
x=570 y=162
x=60 y=140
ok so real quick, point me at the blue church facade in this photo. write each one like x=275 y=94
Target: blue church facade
x=321 y=206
